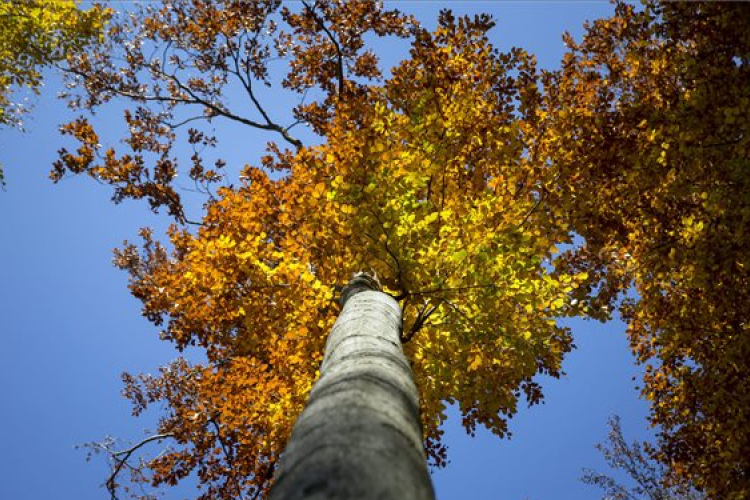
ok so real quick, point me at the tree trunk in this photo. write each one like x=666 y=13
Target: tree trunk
x=359 y=437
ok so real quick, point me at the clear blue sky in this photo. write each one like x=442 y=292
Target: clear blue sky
x=70 y=327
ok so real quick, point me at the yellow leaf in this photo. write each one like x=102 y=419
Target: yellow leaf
x=476 y=363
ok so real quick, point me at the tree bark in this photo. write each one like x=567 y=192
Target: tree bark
x=359 y=437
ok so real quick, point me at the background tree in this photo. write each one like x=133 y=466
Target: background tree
x=647 y=127
x=633 y=459
x=423 y=179
x=35 y=34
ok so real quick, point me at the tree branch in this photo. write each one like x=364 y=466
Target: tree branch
x=336 y=45
x=120 y=459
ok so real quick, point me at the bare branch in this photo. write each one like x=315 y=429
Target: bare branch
x=120 y=458
x=632 y=459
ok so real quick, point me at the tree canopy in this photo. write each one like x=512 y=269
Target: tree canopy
x=490 y=198
x=650 y=112
x=422 y=179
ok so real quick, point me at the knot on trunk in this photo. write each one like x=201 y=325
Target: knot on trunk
x=360 y=283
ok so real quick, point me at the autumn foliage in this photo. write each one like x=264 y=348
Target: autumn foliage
x=37 y=34
x=421 y=180
x=650 y=112
x=461 y=179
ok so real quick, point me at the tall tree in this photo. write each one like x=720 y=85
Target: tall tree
x=650 y=113
x=35 y=34
x=359 y=435
x=422 y=180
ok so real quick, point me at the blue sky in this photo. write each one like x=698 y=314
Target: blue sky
x=70 y=327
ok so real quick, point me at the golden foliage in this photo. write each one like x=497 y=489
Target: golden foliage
x=35 y=34
x=456 y=179
x=423 y=180
x=647 y=127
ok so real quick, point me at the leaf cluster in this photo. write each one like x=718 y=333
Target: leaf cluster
x=35 y=34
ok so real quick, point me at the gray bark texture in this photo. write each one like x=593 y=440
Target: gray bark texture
x=359 y=437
